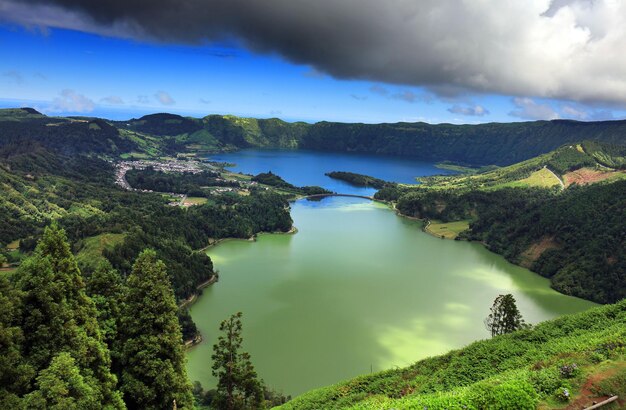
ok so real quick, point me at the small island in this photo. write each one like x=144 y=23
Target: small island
x=359 y=180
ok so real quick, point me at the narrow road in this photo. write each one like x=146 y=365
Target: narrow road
x=556 y=176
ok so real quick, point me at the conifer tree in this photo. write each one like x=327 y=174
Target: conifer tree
x=108 y=290
x=238 y=386
x=62 y=318
x=62 y=387
x=153 y=358
x=504 y=316
x=15 y=372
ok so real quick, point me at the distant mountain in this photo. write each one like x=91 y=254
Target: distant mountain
x=484 y=144
x=475 y=145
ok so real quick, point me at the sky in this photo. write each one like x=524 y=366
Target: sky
x=454 y=61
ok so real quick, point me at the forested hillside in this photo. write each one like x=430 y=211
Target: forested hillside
x=484 y=144
x=572 y=233
x=55 y=170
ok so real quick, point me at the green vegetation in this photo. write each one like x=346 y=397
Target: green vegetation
x=57 y=339
x=74 y=333
x=92 y=248
x=193 y=184
x=524 y=369
x=359 y=179
x=447 y=230
x=573 y=237
x=273 y=180
x=543 y=171
x=152 y=358
x=238 y=386
x=67 y=344
x=504 y=317
x=484 y=144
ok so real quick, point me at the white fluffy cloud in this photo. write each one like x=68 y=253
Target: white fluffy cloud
x=69 y=101
x=528 y=109
x=563 y=49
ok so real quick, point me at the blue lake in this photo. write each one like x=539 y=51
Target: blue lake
x=308 y=167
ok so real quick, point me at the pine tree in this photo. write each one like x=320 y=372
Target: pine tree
x=153 y=358
x=15 y=372
x=62 y=318
x=504 y=316
x=238 y=386
x=108 y=290
x=62 y=387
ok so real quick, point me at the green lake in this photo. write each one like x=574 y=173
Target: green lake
x=356 y=289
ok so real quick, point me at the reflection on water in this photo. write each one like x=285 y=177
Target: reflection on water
x=357 y=288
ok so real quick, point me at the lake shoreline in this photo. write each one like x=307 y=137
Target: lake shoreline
x=330 y=273
x=215 y=277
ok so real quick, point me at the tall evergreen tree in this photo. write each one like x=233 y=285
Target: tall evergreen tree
x=238 y=386
x=62 y=318
x=108 y=290
x=153 y=358
x=62 y=387
x=504 y=316
x=15 y=372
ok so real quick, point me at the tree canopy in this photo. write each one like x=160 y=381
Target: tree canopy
x=504 y=316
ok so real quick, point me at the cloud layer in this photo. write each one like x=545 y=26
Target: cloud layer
x=564 y=49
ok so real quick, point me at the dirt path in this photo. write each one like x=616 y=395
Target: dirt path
x=556 y=176
x=586 y=397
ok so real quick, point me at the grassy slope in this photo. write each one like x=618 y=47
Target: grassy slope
x=519 y=370
x=535 y=172
x=91 y=248
x=447 y=230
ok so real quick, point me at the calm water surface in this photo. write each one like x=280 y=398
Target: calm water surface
x=357 y=288
x=308 y=167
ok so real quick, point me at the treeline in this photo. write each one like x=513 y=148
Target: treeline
x=192 y=184
x=359 y=179
x=576 y=238
x=268 y=178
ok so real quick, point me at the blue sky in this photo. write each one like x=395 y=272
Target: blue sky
x=68 y=72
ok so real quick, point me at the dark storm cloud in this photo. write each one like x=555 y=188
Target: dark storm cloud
x=449 y=46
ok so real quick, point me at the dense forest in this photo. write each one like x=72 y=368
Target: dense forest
x=75 y=345
x=192 y=184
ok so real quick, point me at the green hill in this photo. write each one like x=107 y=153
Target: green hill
x=600 y=161
x=477 y=145
x=546 y=367
x=484 y=144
